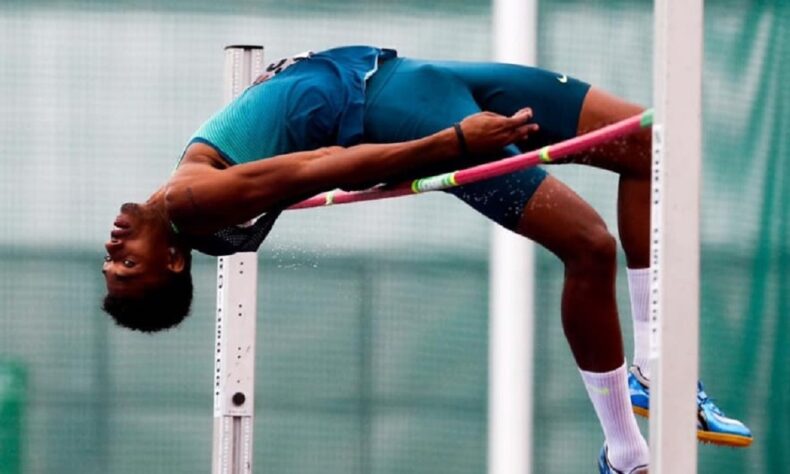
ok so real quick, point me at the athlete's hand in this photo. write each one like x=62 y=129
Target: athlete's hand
x=487 y=132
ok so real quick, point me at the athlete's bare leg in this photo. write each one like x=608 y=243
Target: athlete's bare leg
x=630 y=158
x=561 y=221
x=564 y=223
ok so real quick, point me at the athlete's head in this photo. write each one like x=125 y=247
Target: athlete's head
x=147 y=271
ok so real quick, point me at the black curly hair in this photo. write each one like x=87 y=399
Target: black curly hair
x=159 y=308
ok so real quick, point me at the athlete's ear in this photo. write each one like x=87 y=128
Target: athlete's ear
x=176 y=261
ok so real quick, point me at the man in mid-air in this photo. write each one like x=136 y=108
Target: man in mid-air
x=358 y=116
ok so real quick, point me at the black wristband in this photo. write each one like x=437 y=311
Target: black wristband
x=461 y=139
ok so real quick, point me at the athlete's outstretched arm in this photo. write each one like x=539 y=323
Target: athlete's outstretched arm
x=203 y=199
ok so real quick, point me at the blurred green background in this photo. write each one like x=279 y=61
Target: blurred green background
x=372 y=350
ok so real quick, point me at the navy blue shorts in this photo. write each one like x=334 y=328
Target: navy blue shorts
x=408 y=99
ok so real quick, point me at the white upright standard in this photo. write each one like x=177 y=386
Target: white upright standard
x=512 y=282
x=237 y=281
x=674 y=302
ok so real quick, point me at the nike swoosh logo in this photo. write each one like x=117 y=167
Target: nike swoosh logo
x=563 y=79
x=599 y=390
x=725 y=421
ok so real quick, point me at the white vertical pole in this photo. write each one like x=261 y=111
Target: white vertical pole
x=675 y=243
x=237 y=282
x=511 y=311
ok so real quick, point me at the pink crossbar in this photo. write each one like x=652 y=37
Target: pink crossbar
x=487 y=170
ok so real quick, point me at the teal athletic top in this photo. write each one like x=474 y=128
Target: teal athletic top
x=302 y=103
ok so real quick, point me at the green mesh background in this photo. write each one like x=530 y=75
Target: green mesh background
x=372 y=350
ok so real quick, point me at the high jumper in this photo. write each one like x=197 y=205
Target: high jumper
x=358 y=116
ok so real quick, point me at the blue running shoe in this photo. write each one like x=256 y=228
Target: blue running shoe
x=605 y=467
x=640 y=393
x=712 y=425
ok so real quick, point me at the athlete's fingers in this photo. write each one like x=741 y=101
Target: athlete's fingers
x=484 y=131
x=527 y=129
x=522 y=115
x=523 y=111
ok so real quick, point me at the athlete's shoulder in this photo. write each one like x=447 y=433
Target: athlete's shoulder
x=200 y=152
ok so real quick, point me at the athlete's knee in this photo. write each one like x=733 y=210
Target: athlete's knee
x=594 y=250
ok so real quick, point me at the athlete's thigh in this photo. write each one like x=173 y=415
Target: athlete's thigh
x=560 y=220
x=629 y=155
x=410 y=99
x=504 y=198
x=556 y=99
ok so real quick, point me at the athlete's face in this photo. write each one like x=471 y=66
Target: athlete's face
x=138 y=255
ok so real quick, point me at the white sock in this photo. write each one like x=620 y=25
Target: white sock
x=608 y=392
x=639 y=288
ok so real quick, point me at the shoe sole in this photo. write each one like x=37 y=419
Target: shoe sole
x=719 y=439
